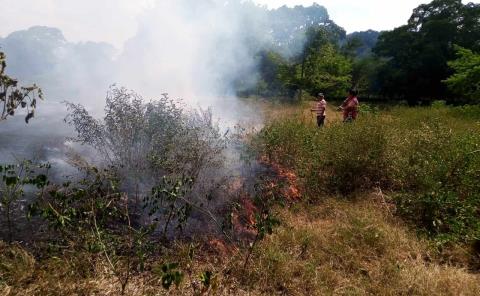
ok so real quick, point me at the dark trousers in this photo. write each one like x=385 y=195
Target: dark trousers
x=320 y=121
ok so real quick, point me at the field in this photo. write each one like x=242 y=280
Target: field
x=388 y=205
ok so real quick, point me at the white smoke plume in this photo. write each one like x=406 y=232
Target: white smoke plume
x=194 y=50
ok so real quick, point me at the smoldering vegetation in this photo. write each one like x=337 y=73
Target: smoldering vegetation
x=156 y=145
x=201 y=51
x=173 y=168
x=204 y=52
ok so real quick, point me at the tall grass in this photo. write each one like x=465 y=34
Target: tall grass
x=427 y=157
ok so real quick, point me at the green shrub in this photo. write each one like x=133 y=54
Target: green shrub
x=467 y=112
x=441 y=193
x=368 y=109
x=342 y=158
x=354 y=157
x=428 y=156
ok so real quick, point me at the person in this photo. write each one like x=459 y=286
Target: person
x=320 y=109
x=350 y=106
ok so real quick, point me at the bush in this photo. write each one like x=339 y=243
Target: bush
x=340 y=159
x=441 y=193
x=355 y=157
x=428 y=156
x=146 y=141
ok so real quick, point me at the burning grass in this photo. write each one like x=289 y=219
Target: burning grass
x=326 y=245
x=336 y=247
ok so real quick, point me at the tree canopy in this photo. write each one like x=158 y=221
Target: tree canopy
x=418 y=53
x=285 y=52
x=466 y=80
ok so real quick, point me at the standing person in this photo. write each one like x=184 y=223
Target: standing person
x=321 y=110
x=350 y=106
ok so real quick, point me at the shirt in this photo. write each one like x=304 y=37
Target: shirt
x=321 y=108
x=350 y=108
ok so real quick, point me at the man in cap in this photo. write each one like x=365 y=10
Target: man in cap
x=320 y=109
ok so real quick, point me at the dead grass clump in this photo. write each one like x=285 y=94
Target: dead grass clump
x=16 y=265
x=420 y=278
x=354 y=248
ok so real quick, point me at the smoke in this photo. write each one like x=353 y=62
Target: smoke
x=194 y=50
x=199 y=51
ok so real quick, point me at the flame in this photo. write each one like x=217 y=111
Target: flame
x=291 y=189
x=250 y=210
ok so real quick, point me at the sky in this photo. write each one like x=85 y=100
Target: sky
x=115 y=21
x=361 y=15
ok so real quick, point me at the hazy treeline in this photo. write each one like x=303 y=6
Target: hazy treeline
x=212 y=51
x=256 y=51
x=433 y=57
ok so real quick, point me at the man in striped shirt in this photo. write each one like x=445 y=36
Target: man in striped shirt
x=321 y=110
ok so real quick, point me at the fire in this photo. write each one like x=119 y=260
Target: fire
x=290 y=189
x=281 y=183
x=250 y=211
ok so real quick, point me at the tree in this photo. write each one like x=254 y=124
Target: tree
x=365 y=75
x=368 y=40
x=328 y=71
x=419 y=51
x=466 y=80
x=13 y=97
x=323 y=67
x=275 y=75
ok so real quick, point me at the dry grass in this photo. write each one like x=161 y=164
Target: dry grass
x=345 y=248
x=271 y=111
x=334 y=248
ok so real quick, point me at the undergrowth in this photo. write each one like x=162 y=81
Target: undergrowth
x=428 y=158
x=362 y=184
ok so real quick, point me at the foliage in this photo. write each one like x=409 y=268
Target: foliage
x=320 y=66
x=275 y=76
x=150 y=140
x=168 y=199
x=13 y=97
x=466 y=80
x=170 y=275
x=428 y=156
x=441 y=169
x=328 y=71
x=368 y=40
x=365 y=73
x=339 y=159
x=290 y=24
x=265 y=217
x=94 y=216
x=410 y=62
x=15 y=180
x=419 y=51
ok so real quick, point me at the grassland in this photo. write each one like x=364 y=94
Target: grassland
x=389 y=206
